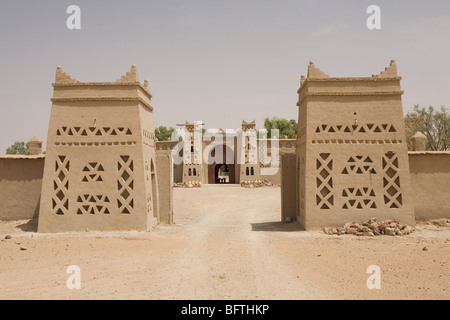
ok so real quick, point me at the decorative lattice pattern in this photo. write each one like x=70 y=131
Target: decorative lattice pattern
x=148 y=197
x=60 y=201
x=93 y=172
x=359 y=165
x=302 y=190
x=324 y=179
x=147 y=134
x=359 y=141
x=361 y=128
x=93 y=131
x=149 y=202
x=262 y=154
x=391 y=181
x=148 y=138
x=125 y=185
x=93 y=204
x=359 y=198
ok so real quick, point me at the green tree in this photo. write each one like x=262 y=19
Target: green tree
x=434 y=124
x=163 y=133
x=286 y=127
x=18 y=148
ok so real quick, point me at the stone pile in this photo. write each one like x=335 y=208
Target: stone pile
x=256 y=183
x=252 y=184
x=371 y=228
x=189 y=184
x=268 y=183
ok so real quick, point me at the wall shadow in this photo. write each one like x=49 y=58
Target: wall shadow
x=277 y=226
x=30 y=226
x=36 y=209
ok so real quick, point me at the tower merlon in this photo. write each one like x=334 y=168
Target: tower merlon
x=385 y=84
x=63 y=78
x=389 y=72
x=130 y=77
x=127 y=88
x=314 y=72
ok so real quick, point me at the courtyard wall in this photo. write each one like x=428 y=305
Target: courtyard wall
x=21 y=182
x=20 y=186
x=430 y=176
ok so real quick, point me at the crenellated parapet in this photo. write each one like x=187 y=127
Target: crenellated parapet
x=130 y=77
x=63 y=78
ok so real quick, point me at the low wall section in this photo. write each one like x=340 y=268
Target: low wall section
x=20 y=186
x=430 y=179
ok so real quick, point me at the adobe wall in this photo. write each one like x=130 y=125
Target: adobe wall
x=286 y=146
x=177 y=173
x=165 y=187
x=165 y=168
x=20 y=186
x=430 y=176
x=288 y=186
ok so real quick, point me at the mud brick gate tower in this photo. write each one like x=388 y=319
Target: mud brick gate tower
x=249 y=166
x=192 y=153
x=352 y=160
x=100 y=168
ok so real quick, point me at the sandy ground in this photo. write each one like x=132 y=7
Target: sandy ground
x=227 y=244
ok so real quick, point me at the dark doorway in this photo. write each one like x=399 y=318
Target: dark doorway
x=221 y=172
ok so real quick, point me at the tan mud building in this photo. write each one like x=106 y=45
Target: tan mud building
x=243 y=157
x=104 y=170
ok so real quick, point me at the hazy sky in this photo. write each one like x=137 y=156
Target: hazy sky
x=216 y=61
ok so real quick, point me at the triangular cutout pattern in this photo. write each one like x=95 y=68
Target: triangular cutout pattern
x=93 y=132
x=359 y=198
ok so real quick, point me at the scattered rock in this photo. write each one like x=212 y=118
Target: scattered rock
x=330 y=231
x=7 y=237
x=440 y=222
x=425 y=249
x=23 y=249
x=288 y=220
x=371 y=228
x=407 y=230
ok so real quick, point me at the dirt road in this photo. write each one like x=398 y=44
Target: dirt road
x=227 y=244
